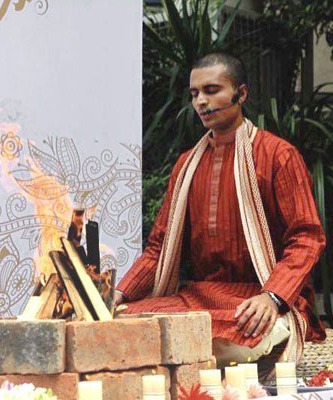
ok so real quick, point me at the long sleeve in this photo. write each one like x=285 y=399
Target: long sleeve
x=138 y=282
x=303 y=238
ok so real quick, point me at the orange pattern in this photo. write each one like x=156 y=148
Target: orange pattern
x=222 y=271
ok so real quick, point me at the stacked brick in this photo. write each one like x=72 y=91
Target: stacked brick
x=58 y=355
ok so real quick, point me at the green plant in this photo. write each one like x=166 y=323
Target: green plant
x=310 y=129
x=153 y=189
x=173 y=40
x=295 y=19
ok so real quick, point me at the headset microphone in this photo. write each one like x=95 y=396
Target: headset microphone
x=233 y=101
x=235 y=98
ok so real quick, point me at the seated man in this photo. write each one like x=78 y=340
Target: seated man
x=239 y=205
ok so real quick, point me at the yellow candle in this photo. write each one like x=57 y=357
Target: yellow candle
x=286 y=381
x=153 y=387
x=251 y=373
x=91 y=390
x=236 y=378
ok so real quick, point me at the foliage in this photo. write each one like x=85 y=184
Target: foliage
x=310 y=129
x=154 y=186
x=173 y=40
x=295 y=19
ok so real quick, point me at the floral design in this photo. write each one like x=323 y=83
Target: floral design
x=16 y=276
x=51 y=179
x=10 y=145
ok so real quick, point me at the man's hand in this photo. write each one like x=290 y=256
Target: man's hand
x=118 y=298
x=258 y=311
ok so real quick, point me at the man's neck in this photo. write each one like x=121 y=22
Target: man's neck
x=227 y=130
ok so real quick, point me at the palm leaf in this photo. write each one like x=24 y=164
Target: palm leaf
x=217 y=13
x=156 y=121
x=275 y=114
x=181 y=34
x=226 y=27
x=261 y=121
x=161 y=45
x=205 y=32
x=319 y=191
x=320 y=126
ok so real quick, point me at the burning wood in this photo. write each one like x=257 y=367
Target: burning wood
x=78 y=291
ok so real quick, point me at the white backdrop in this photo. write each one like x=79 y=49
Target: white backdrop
x=70 y=132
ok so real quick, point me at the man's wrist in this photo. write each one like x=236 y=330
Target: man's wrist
x=281 y=305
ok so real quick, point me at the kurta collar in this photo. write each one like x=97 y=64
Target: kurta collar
x=220 y=140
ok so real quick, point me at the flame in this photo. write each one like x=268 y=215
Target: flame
x=50 y=214
x=232 y=363
x=49 y=206
x=249 y=359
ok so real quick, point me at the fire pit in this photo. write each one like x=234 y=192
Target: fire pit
x=67 y=332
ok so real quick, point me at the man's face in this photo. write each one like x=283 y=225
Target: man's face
x=211 y=88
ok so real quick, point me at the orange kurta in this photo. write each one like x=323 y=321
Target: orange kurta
x=222 y=274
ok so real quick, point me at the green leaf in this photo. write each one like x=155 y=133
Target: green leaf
x=160 y=44
x=226 y=27
x=321 y=127
x=261 y=121
x=217 y=14
x=156 y=121
x=182 y=35
x=205 y=32
x=275 y=114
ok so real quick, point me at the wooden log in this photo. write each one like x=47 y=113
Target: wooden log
x=48 y=298
x=61 y=264
x=89 y=291
x=31 y=309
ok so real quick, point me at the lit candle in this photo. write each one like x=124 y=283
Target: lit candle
x=251 y=373
x=286 y=381
x=91 y=390
x=153 y=387
x=211 y=382
x=236 y=378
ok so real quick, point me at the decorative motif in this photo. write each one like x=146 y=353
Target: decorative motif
x=49 y=182
x=10 y=145
x=16 y=276
x=41 y=6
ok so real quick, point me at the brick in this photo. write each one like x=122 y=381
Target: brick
x=113 y=345
x=127 y=385
x=186 y=338
x=64 y=385
x=32 y=347
x=187 y=375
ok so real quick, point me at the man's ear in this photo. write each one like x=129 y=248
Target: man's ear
x=243 y=92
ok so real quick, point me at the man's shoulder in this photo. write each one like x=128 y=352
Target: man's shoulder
x=278 y=148
x=271 y=141
x=180 y=161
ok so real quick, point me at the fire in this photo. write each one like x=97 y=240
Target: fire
x=39 y=179
x=49 y=200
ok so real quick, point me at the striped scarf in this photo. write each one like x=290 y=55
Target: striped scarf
x=254 y=224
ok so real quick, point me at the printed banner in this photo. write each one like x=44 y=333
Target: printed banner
x=70 y=133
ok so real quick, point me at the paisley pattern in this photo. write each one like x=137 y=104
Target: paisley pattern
x=48 y=180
